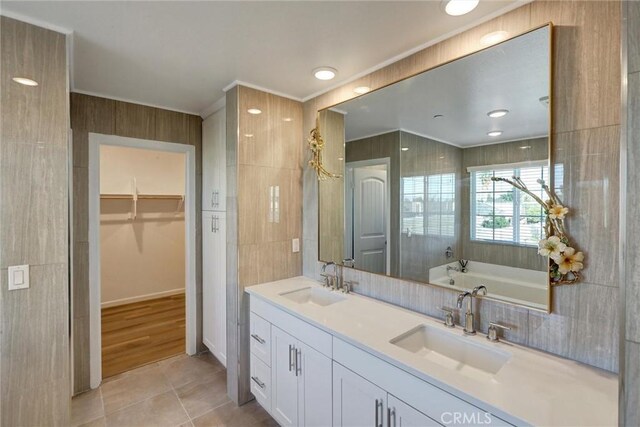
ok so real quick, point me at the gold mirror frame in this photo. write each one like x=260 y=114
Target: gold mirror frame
x=554 y=227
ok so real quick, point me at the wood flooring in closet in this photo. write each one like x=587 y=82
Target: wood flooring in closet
x=142 y=332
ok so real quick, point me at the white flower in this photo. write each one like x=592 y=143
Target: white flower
x=558 y=212
x=569 y=260
x=551 y=246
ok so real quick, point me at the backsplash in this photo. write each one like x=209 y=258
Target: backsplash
x=584 y=322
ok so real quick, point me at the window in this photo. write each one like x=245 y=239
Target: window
x=428 y=204
x=501 y=213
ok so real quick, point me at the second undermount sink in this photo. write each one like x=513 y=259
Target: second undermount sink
x=452 y=351
x=313 y=296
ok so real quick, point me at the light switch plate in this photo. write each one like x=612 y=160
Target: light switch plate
x=18 y=277
x=295 y=245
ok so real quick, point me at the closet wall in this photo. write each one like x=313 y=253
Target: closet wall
x=142 y=257
x=110 y=117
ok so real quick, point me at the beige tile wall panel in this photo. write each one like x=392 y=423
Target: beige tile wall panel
x=331 y=191
x=34 y=342
x=587 y=83
x=631 y=364
x=91 y=114
x=172 y=126
x=260 y=249
x=135 y=121
x=586 y=61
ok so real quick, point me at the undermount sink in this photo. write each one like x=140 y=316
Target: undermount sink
x=313 y=296
x=452 y=351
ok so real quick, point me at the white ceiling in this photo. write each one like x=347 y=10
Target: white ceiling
x=513 y=75
x=181 y=54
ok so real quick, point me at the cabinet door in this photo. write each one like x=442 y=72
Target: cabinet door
x=220 y=287
x=314 y=388
x=284 y=387
x=214 y=161
x=208 y=280
x=356 y=401
x=399 y=414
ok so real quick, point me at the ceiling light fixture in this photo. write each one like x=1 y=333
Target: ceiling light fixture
x=25 y=81
x=494 y=133
x=497 y=113
x=525 y=147
x=493 y=38
x=248 y=135
x=341 y=158
x=287 y=119
x=459 y=7
x=405 y=148
x=360 y=90
x=325 y=73
x=254 y=111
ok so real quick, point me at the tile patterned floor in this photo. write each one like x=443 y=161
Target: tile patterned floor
x=180 y=391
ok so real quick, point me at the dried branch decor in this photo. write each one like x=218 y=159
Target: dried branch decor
x=564 y=262
x=316 y=144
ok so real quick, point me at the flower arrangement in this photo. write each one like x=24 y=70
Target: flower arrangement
x=564 y=262
x=316 y=144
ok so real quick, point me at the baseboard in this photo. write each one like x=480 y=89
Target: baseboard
x=139 y=298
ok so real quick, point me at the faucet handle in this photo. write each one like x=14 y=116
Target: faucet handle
x=481 y=288
x=492 y=332
x=448 y=317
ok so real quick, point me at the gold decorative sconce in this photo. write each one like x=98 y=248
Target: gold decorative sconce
x=316 y=145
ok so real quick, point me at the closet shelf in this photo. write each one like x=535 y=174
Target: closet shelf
x=143 y=196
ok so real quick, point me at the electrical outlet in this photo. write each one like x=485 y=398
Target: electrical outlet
x=295 y=245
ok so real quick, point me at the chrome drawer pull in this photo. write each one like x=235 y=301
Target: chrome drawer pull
x=257 y=338
x=257 y=381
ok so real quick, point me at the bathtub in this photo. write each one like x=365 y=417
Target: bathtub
x=511 y=284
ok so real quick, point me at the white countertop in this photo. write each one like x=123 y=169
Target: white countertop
x=533 y=386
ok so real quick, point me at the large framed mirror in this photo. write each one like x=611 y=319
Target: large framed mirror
x=415 y=199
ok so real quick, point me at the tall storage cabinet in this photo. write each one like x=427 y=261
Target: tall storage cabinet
x=214 y=260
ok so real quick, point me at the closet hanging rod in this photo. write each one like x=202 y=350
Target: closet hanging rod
x=143 y=196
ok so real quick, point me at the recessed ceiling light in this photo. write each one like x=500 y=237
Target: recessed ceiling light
x=524 y=147
x=25 y=81
x=341 y=158
x=254 y=111
x=493 y=38
x=442 y=157
x=362 y=89
x=325 y=73
x=495 y=133
x=459 y=7
x=438 y=116
x=248 y=135
x=288 y=119
x=405 y=148
x=497 y=113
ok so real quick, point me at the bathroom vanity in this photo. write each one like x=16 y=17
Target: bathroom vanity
x=322 y=358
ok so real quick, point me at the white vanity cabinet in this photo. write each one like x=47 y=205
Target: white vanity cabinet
x=357 y=402
x=298 y=389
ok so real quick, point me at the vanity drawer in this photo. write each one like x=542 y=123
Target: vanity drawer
x=311 y=335
x=260 y=338
x=261 y=382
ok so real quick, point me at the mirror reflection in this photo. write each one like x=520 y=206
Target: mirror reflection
x=416 y=200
